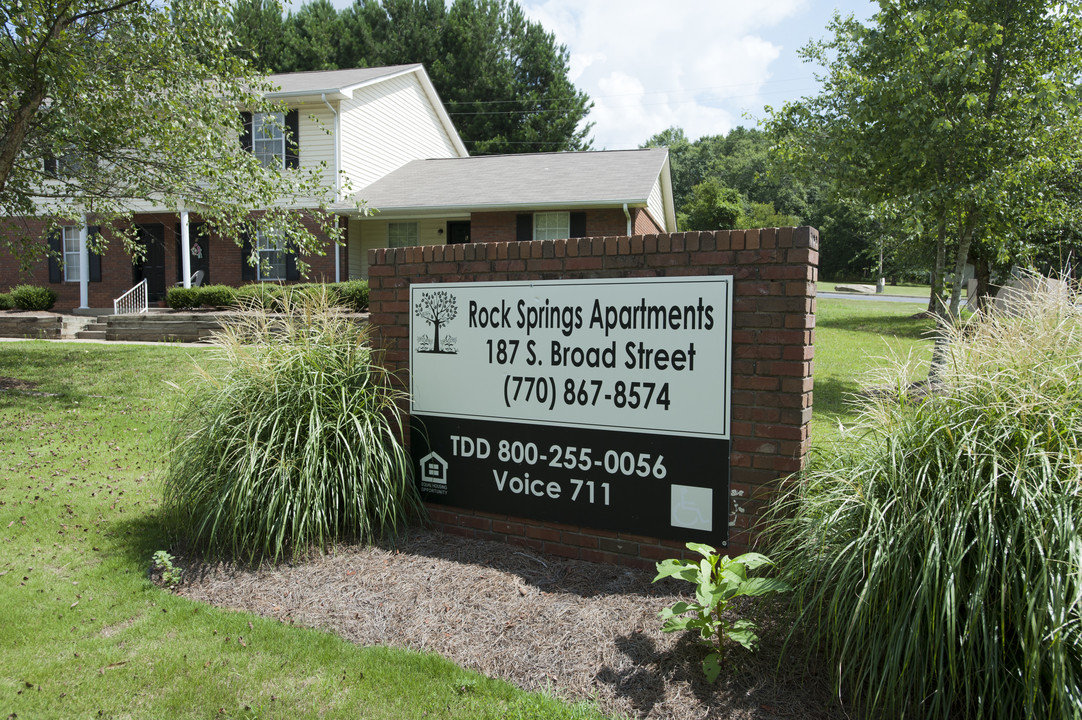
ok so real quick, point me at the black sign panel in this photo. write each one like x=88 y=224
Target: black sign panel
x=665 y=486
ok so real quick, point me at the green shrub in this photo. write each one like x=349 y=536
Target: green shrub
x=258 y=295
x=295 y=444
x=32 y=297
x=353 y=295
x=5 y=301
x=936 y=556
x=181 y=298
x=216 y=296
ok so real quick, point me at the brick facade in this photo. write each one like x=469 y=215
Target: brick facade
x=774 y=273
x=117 y=271
x=486 y=227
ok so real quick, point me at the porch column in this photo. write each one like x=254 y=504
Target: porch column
x=185 y=250
x=84 y=265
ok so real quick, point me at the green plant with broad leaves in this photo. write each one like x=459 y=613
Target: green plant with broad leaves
x=717 y=580
x=162 y=563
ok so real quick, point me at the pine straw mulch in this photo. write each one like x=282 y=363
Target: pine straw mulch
x=580 y=630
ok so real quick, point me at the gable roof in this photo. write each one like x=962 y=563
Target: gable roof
x=322 y=85
x=524 y=182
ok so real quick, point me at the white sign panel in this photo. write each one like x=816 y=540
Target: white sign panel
x=648 y=355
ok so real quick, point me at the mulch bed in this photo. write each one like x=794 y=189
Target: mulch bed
x=580 y=630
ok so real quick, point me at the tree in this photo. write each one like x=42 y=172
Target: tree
x=503 y=78
x=109 y=105
x=259 y=30
x=950 y=110
x=712 y=207
x=437 y=308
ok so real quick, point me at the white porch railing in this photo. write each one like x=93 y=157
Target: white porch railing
x=132 y=302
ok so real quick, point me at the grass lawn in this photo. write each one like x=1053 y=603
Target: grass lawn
x=917 y=291
x=84 y=633
x=851 y=338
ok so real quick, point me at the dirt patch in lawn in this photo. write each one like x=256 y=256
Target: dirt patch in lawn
x=581 y=630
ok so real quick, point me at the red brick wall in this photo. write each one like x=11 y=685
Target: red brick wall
x=643 y=223
x=774 y=272
x=486 y=227
x=116 y=264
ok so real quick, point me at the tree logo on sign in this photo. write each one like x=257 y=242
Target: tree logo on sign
x=437 y=308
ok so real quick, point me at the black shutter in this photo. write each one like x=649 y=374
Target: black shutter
x=578 y=224
x=95 y=259
x=524 y=227
x=291 y=264
x=247 y=272
x=50 y=165
x=293 y=139
x=56 y=254
x=246 y=135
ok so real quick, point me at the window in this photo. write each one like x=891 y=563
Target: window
x=270 y=250
x=71 y=253
x=401 y=234
x=551 y=225
x=268 y=139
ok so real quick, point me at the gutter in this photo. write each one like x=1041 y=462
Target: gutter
x=628 y=216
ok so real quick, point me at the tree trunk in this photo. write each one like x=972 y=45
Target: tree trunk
x=961 y=257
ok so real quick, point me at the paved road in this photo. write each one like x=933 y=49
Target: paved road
x=879 y=298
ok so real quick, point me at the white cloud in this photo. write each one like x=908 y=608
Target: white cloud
x=703 y=65
x=692 y=63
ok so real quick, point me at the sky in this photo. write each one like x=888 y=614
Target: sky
x=702 y=65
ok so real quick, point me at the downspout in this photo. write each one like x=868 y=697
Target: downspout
x=337 y=181
x=628 y=216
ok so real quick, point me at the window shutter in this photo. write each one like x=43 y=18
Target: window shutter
x=50 y=165
x=95 y=259
x=291 y=264
x=56 y=254
x=247 y=272
x=577 y=224
x=246 y=136
x=524 y=227
x=293 y=139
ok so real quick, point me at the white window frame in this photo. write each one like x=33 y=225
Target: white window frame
x=551 y=225
x=270 y=256
x=402 y=234
x=269 y=139
x=72 y=237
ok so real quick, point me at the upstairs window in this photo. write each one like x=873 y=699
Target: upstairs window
x=402 y=234
x=268 y=139
x=273 y=138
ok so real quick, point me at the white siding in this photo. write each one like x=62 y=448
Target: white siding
x=388 y=124
x=365 y=235
x=655 y=205
x=316 y=143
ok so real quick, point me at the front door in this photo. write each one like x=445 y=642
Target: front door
x=152 y=268
x=458 y=231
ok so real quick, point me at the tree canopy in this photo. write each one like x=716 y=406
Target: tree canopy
x=951 y=115
x=108 y=106
x=503 y=77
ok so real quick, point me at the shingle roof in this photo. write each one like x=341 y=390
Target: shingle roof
x=571 y=179
x=331 y=81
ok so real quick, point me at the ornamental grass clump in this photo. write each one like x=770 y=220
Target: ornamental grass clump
x=291 y=442
x=936 y=555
